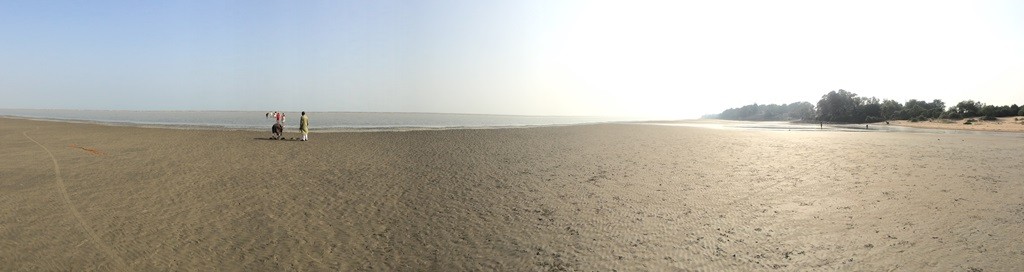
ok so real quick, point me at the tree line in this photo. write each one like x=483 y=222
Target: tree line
x=846 y=107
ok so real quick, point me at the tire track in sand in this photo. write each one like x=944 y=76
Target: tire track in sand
x=118 y=261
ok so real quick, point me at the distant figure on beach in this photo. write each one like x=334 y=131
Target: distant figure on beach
x=304 y=126
x=279 y=116
x=277 y=130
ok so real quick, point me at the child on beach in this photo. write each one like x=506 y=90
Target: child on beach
x=304 y=126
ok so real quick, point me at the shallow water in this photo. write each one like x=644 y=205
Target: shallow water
x=321 y=121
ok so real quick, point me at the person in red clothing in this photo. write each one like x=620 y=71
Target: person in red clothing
x=278 y=129
x=279 y=116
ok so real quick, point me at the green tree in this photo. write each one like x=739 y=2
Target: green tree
x=870 y=110
x=969 y=108
x=846 y=107
x=989 y=111
x=916 y=108
x=770 y=112
x=837 y=106
x=890 y=108
x=803 y=111
x=1004 y=111
x=935 y=108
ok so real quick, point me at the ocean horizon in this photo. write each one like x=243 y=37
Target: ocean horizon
x=319 y=121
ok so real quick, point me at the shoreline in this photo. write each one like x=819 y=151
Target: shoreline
x=1002 y=126
x=294 y=128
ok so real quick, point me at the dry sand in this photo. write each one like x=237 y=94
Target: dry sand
x=592 y=197
x=1003 y=124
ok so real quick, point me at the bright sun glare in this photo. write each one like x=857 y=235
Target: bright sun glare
x=651 y=57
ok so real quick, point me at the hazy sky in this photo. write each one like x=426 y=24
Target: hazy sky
x=621 y=58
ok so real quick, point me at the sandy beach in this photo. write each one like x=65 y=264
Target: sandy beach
x=1003 y=124
x=602 y=197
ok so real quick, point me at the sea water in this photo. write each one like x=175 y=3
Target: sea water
x=322 y=121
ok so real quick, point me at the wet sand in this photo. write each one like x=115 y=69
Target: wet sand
x=591 y=197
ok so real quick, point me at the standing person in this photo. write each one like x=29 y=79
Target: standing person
x=304 y=126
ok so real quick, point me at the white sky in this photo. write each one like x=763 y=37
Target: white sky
x=657 y=59
x=669 y=58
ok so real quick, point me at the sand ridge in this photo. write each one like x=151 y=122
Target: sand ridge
x=593 y=197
